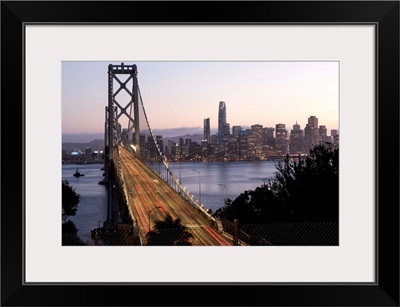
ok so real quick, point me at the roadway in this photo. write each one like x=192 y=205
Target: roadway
x=151 y=199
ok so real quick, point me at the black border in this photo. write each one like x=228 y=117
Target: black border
x=384 y=14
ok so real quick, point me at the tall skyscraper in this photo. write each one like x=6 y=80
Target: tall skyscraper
x=296 y=140
x=236 y=130
x=207 y=132
x=296 y=127
x=221 y=118
x=311 y=133
x=269 y=137
x=206 y=142
x=322 y=130
x=223 y=127
x=281 y=138
x=257 y=132
x=313 y=121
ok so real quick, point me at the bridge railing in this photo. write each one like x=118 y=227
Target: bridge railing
x=185 y=193
x=173 y=181
x=168 y=176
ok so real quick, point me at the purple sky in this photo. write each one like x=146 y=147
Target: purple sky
x=182 y=94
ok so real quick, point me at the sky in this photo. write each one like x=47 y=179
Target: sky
x=183 y=94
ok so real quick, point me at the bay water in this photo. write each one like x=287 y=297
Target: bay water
x=211 y=182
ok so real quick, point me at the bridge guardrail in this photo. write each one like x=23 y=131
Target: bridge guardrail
x=190 y=198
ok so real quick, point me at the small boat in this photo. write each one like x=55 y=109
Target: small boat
x=78 y=174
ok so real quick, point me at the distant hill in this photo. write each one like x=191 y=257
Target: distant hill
x=95 y=145
x=96 y=140
x=166 y=133
x=194 y=137
x=176 y=132
x=81 y=137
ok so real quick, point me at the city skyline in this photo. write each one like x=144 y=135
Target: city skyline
x=183 y=94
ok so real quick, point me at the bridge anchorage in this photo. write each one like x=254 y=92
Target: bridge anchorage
x=137 y=175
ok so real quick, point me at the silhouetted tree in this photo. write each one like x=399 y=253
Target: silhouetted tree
x=69 y=227
x=70 y=201
x=309 y=188
x=169 y=232
x=302 y=190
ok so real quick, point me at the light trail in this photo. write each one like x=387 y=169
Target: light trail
x=147 y=191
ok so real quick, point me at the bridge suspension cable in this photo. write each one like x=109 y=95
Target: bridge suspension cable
x=169 y=176
x=143 y=144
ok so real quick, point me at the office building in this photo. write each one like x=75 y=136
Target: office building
x=296 y=145
x=281 y=137
x=223 y=127
x=207 y=131
x=236 y=131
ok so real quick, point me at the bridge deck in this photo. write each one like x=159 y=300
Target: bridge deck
x=146 y=191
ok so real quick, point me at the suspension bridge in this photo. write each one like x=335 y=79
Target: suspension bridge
x=137 y=173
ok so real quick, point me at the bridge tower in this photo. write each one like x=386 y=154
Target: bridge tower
x=115 y=109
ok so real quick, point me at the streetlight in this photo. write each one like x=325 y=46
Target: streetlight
x=179 y=163
x=199 y=185
x=224 y=191
x=235 y=221
x=149 y=214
